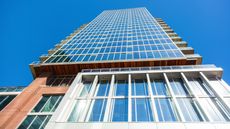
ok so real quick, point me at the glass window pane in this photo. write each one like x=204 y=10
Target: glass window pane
x=77 y=110
x=159 y=87
x=98 y=110
x=50 y=103
x=141 y=110
x=213 y=109
x=37 y=122
x=26 y=122
x=178 y=87
x=86 y=88
x=199 y=86
x=189 y=109
x=165 y=110
x=103 y=88
x=5 y=100
x=40 y=104
x=139 y=87
x=120 y=110
x=45 y=122
x=121 y=88
x=217 y=84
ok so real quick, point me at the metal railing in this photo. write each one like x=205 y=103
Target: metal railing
x=150 y=68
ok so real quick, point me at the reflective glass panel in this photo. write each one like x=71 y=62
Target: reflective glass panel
x=165 y=110
x=159 y=87
x=120 y=110
x=121 y=88
x=141 y=110
x=98 y=110
x=139 y=87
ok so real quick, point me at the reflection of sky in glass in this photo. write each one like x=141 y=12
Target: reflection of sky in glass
x=128 y=34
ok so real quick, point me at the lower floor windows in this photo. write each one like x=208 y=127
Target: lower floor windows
x=165 y=110
x=119 y=110
x=5 y=100
x=147 y=98
x=35 y=122
x=98 y=110
x=77 y=110
x=214 y=109
x=141 y=110
x=191 y=112
x=42 y=112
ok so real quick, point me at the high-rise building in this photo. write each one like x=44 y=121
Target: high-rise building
x=125 y=69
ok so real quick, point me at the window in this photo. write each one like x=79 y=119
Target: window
x=98 y=110
x=141 y=110
x=190 y=110
x=121 y=88
x=214 y=109
x=60 y=80
x=217 y=84
x=86 y=88
x=35 y=122
x=178 y=87
x=199 y=86
x=139 y=87
x=119 y=110
x=76 y=113
x=165 y=110
x=103 y=88
x=47 y=104
x=38 y=118
x=159 y=87
x=11 y=89
x=5 y=100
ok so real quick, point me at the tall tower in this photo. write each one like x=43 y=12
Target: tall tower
x=125 y=69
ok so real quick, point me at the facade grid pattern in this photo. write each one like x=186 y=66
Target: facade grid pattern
x=118 y=35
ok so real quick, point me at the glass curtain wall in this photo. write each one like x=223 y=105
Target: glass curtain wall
x=168 y=99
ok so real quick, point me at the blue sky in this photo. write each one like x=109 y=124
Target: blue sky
x=30 y=27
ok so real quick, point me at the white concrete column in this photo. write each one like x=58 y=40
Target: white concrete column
x=109 y=100
x=129 y=98
x=153 y=106
x=174 y=98
x=197 y=99
x=216 y=93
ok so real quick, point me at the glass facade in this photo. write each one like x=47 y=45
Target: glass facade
x=56 y=81
x=11 y=89
x=41 y=113
x=117 y=35
x=141 y=110
x=119 y=110
x=152 y=98
x=5 y=100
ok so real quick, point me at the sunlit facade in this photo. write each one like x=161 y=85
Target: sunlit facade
x=124 y=69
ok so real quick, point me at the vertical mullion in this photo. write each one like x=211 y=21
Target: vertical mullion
x=107 y=110
x=129 y=98
x=90 y=110
x=174 y=98
x=93 y=87
x=83 y=117
x=217 y=94
x=154 y=112
x=196 y=97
